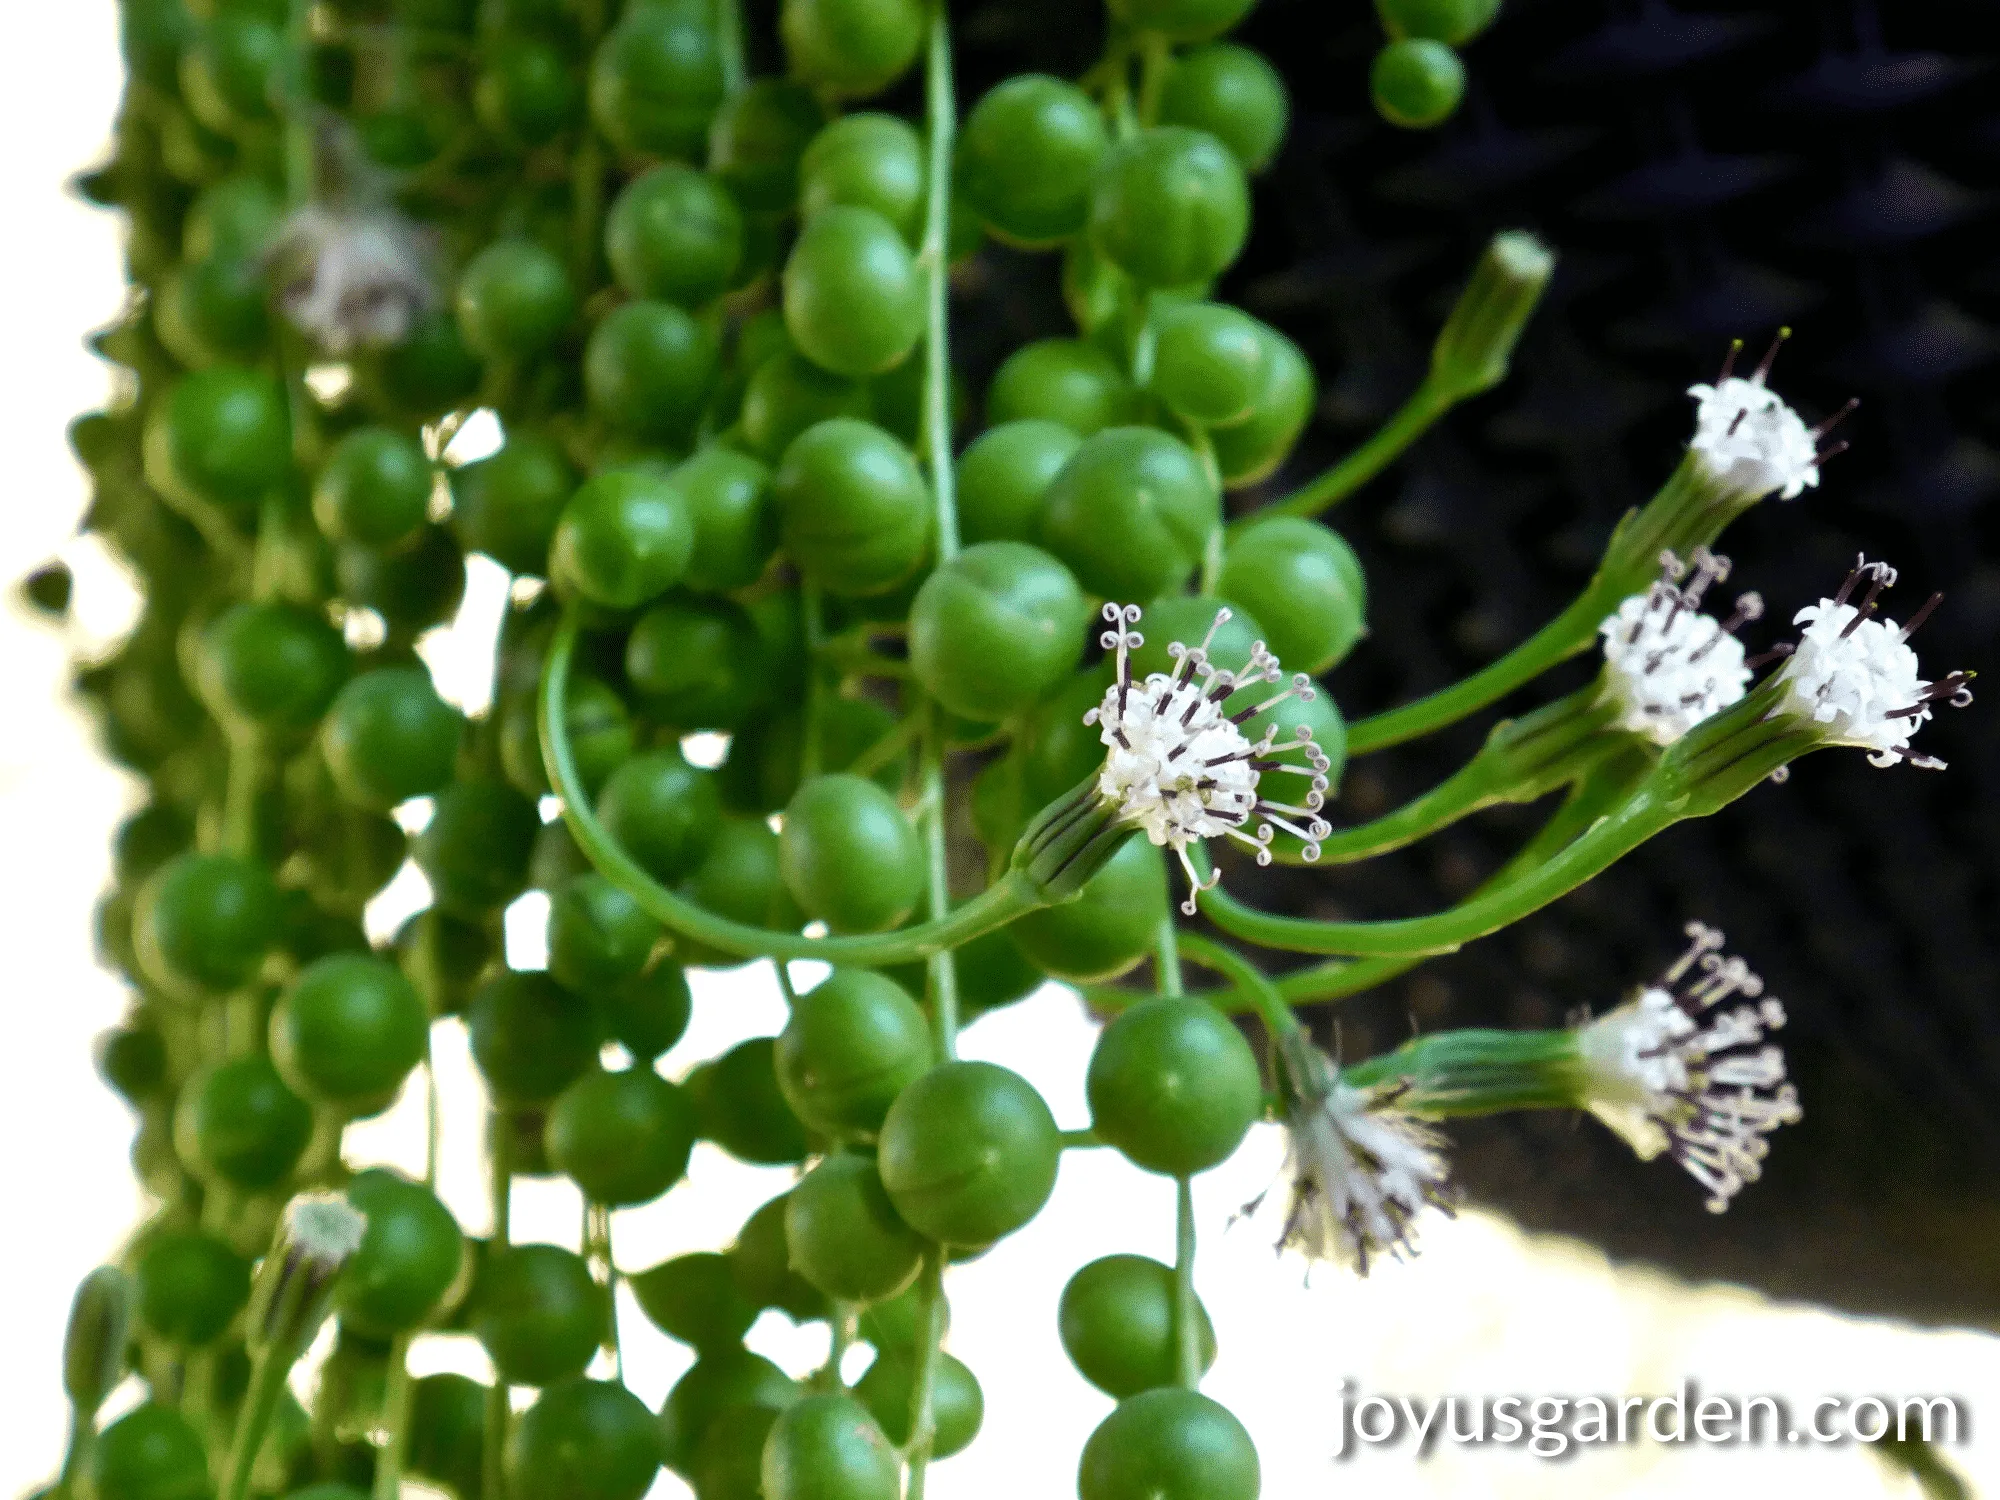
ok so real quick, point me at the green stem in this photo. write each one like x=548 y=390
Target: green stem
x=1167 y=956
x=1247 y=977
x=1523 y=760
x=500 y=1164
x=1640 y=818
x=433 y=1125
x=1563 y=637
x=943 y=964
x=260 y=1403
x=587 y=179
x=1718 y=761
x=1690 y=510
x=395 y=1422
x=729 y=41
x=783 y=971
x=610 y=1260
x=239 y=798
x=298 y=121
x=1600 y=789
x=994 y=907
x=76 y=1453
x=1187 y=1311
x=941 y=123
x=1080 y=1140
x=888 y=747
x=843 y=1326
x=923 y=1389
x=1410 y=421
x=812 y=746
x=1155 y=58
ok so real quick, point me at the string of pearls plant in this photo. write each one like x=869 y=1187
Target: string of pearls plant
x=778 y=617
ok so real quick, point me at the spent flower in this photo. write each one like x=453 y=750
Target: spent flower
x=319 y=1234
x=1181 y=769
x=352 y=278
x=1668 y=666
x=1687 y=1068
x=1360 y=1167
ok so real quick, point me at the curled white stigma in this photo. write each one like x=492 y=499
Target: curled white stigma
x=1687 y=1068
x=1667 y=665
x=1182 y=770
x=1359 y=1169
x=1856 y=676
x=351 y=280
x=323 y=1230
x=1747 y=437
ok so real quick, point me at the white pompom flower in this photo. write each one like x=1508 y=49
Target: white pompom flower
x=1746 y=436
x=1688 y=1068
x=1359 y=1168
x=1181 y=769
x=1855 y=677
x=1668 y=666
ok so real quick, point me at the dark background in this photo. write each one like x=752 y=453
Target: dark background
x=1706 y=174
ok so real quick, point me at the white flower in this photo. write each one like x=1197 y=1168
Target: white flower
x=1360 y=1169
x=352 y=279
x=1746 y=436
x=1668 y=666
x=1686 y=1068
x=1182 y=770
x=1856 y=676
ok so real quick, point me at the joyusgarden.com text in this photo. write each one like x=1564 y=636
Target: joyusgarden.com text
x=1554 y=1426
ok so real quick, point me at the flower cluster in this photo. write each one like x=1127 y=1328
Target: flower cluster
x=1856 y=676
x=1179 y=766
x=1686 y=1068
x=1668 y=666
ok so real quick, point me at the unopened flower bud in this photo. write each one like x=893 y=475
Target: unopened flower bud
x=1478 y=338
x=94 y=1344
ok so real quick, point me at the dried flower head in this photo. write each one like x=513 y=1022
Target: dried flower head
x=318 y=1235
x=1856 y=677
x=352 y=279
x=1182 y=770
x=1746 y=436
x=1686 y=1068
x=1360 y=1169
x=1667 y=665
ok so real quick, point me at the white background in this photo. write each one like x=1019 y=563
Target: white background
x=1484 y=1308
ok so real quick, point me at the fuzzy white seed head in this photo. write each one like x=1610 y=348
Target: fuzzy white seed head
x=1178 y=765
x=1668 y=666
x=352 y=280
x=1688 y=1068
x=1747 y=437
x=1359 y=1169
x=323 y=1230
x=1855 y=676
